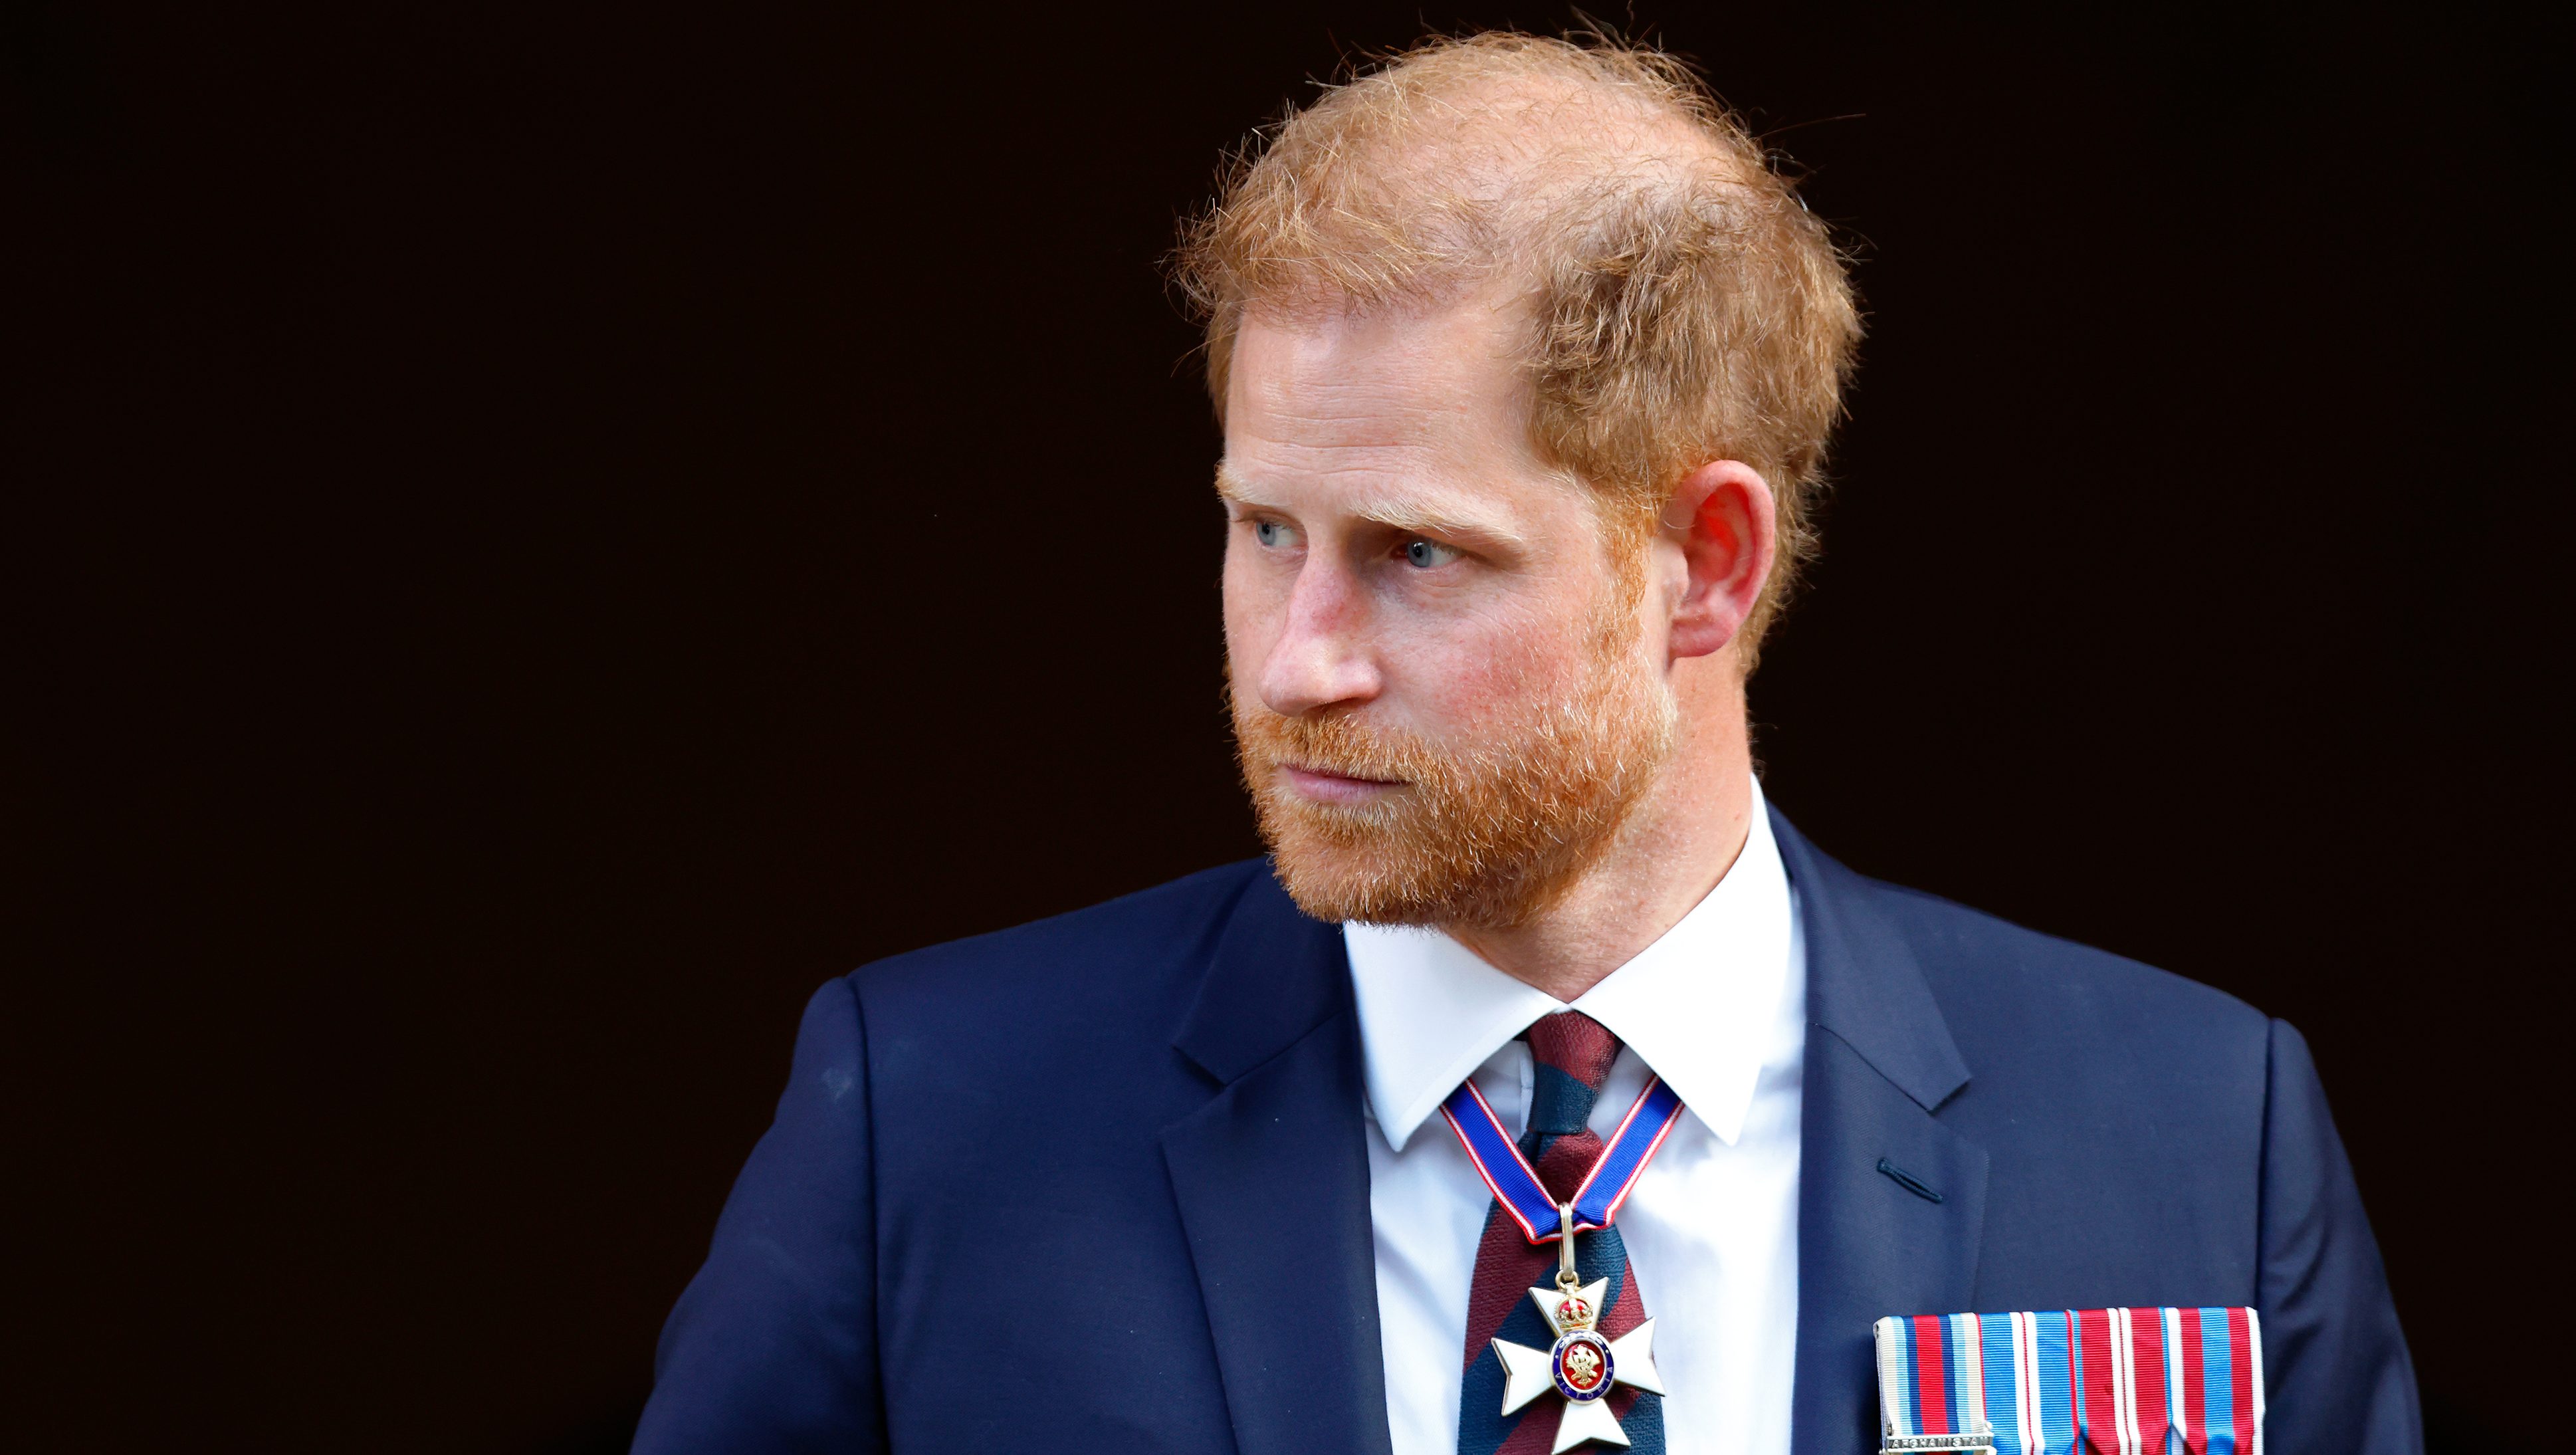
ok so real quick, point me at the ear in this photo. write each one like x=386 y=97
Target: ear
x=1722 y=517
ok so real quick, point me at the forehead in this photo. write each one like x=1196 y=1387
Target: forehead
x=1431 y=404
x=1418 y=372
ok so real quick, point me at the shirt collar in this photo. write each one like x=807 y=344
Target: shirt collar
x=1696 y=1005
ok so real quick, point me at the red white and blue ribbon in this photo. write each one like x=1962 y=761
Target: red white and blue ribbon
x=2118 y=1381
x=1605 y=1188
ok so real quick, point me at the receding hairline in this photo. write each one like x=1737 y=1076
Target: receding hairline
x=1554 y=121
x=1518 y=147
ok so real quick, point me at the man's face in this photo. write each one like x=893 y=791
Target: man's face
x=1444 y=699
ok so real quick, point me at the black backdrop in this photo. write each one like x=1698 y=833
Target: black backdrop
x=537 y=538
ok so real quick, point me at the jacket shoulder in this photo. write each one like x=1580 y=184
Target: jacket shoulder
x=2007 y=991
x=1135 y=957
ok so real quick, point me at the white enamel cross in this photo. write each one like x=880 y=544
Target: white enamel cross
x=1583 y=1366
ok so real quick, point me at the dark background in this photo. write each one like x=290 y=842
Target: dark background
x=536 y=536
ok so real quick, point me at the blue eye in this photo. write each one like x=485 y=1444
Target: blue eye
x=1269 y=532
x=1425 y=555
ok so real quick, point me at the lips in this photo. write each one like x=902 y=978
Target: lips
x=1326 y=786
x=1317 y=771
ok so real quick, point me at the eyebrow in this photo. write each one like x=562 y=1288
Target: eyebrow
x=1396 y=512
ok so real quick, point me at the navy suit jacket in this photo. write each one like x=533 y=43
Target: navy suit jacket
x=1098 y=1184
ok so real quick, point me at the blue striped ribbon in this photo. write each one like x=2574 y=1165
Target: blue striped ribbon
x=1515 y=1183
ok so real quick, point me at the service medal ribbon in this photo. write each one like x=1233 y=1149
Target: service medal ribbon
x=2069 y=1381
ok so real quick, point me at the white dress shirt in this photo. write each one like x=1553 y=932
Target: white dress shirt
x=1717 y=1007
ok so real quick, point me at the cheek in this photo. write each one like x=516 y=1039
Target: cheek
x=1471 y=668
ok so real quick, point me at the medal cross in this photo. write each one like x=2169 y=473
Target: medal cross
x=1582 y=1366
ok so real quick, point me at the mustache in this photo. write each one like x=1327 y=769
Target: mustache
x=1340 y=745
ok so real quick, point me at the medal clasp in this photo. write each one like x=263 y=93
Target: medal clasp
x=1566 y=1277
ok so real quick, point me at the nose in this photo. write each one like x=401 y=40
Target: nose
x=1320 y=659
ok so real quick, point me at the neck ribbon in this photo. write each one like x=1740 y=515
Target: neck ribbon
x=1515 y=1183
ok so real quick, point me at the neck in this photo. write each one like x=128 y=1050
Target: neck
x=1682 y=839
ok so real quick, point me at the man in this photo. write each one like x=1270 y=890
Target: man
x=1526 y=364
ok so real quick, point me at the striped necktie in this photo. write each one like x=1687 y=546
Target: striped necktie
x=1573 y=1053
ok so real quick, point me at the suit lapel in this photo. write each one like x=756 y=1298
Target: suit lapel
x=1272 y=1181
x=1879 y=1062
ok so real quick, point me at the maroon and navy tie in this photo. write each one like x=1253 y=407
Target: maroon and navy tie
x=1573 y=1053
